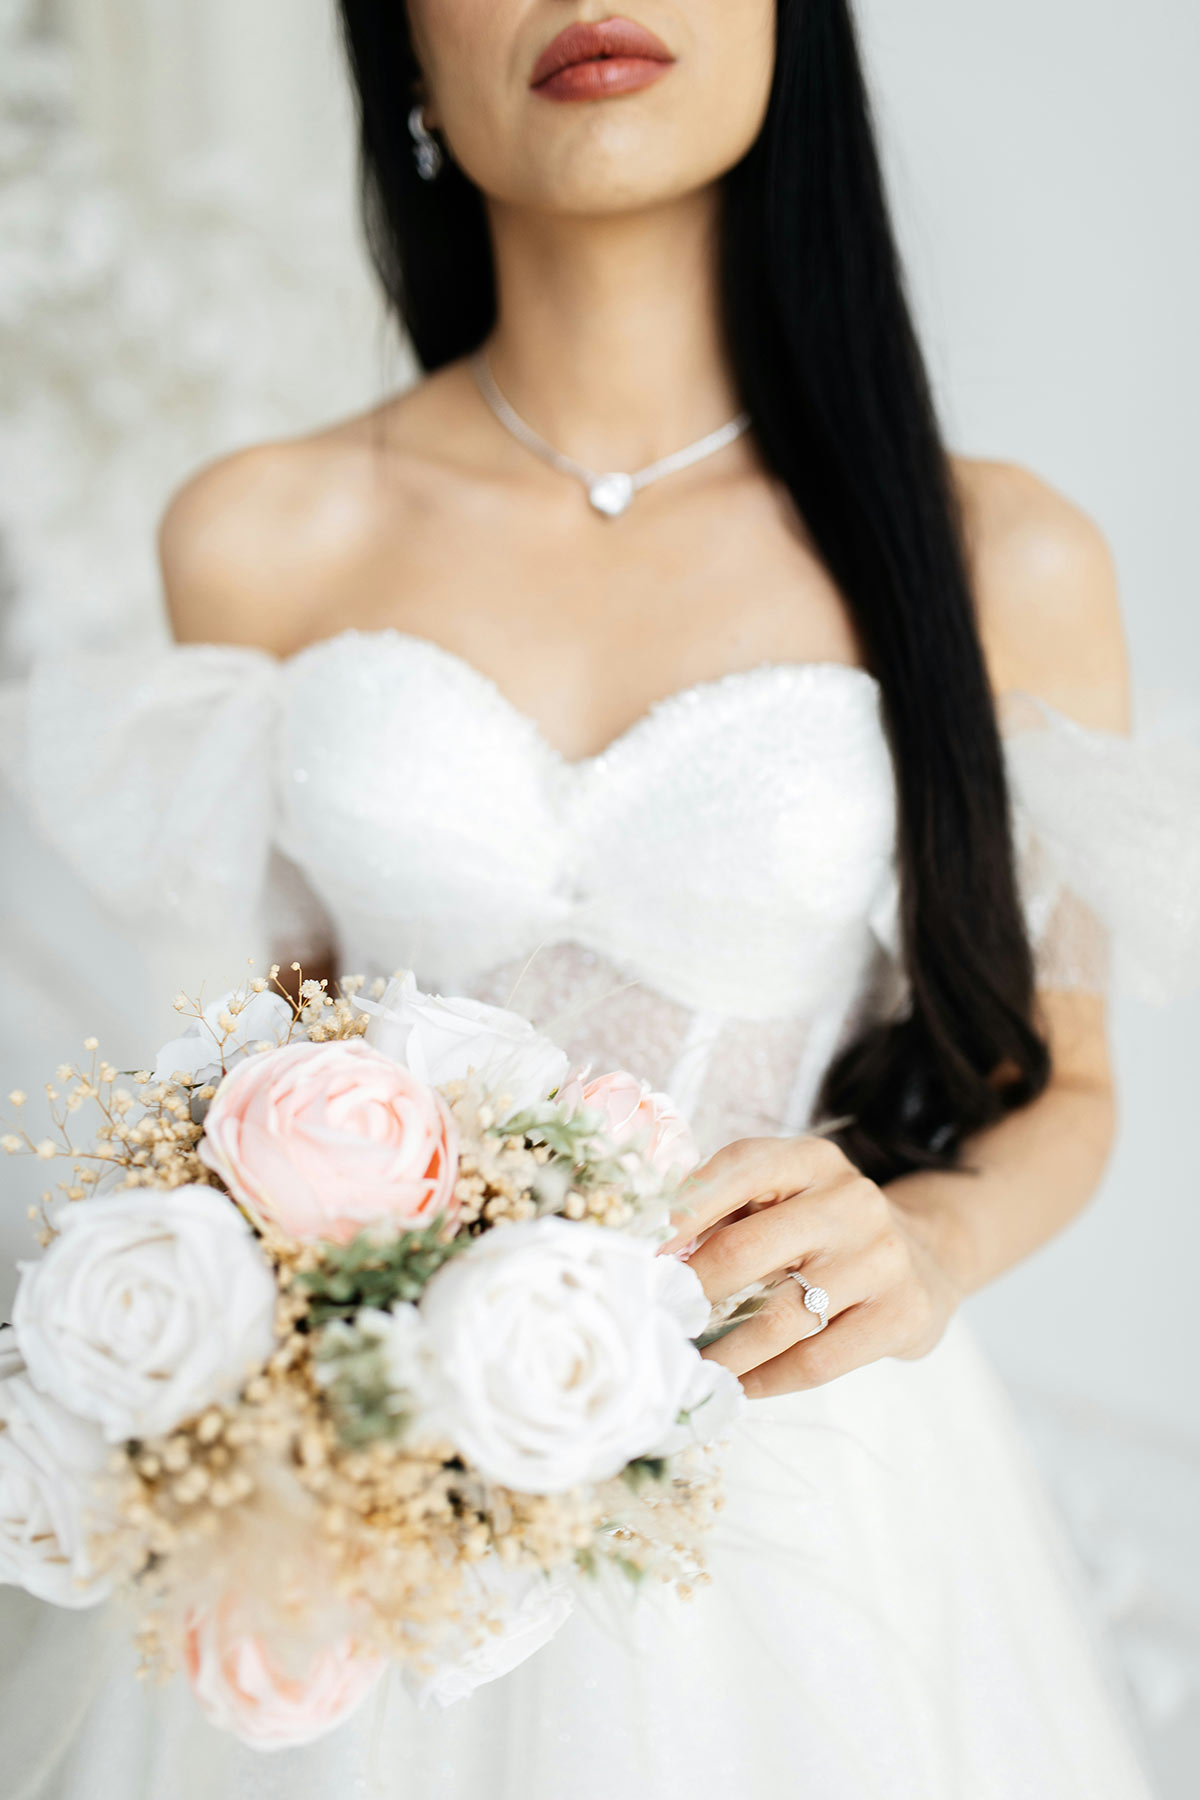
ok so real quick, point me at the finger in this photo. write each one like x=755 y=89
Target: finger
x=752 y=1171
x=785 y=1236
x=783 y=1321
x=857 y=1336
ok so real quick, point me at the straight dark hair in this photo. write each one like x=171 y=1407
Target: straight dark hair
x=830 y=370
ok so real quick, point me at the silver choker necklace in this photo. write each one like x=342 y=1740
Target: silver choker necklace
x=609 y=493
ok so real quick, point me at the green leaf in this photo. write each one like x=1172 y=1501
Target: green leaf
x=364 y=1404
x=373 y=1271
x=644 y=1469
x=745 y=1311
x=566 y=1134
x=630 y=1570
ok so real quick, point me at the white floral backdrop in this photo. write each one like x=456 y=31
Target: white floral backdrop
x=180 y=274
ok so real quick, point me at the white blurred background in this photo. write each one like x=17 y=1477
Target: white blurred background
x=180 y=273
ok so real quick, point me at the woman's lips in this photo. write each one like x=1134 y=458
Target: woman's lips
x=587 y=62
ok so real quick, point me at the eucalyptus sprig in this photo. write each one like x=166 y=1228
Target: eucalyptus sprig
x=578 y=1138
x=570 y=1134
x=359 y=1389
x=376 y=1272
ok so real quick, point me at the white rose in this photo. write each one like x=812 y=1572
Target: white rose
x=261 y=1019
x=714 y=1397
x=710 y=1406
x=443 y=1040
x=562 y=1350
x=148 y=1306
x=49 y=1461
x=529 y=1608
x=679 y=1290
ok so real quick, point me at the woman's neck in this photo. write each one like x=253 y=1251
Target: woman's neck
x=609 y=338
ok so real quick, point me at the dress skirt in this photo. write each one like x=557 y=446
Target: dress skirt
x=892 y=1615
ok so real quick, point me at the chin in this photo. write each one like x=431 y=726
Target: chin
x=619 y=191
x=607 y=172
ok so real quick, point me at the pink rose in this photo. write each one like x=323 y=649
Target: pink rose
x=242 y=1689
x=637 y=1118
x=324 y=1139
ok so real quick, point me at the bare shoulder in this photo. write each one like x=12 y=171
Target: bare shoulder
x=235 y=539
x=1046 y=589
x=257 y=547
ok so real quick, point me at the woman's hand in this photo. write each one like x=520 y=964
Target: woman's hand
x=797 y=1204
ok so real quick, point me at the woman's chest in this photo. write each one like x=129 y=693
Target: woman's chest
x=583 y=623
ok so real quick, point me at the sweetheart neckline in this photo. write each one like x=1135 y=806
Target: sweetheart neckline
x=465 y=669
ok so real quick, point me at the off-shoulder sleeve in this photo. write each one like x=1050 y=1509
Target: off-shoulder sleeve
x=1107 y=833
x=152 y=773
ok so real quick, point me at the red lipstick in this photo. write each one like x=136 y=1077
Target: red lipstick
x=590 y=62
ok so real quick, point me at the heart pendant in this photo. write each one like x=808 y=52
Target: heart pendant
x=611 y=494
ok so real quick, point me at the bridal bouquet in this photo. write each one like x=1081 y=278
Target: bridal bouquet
x=351 y=1344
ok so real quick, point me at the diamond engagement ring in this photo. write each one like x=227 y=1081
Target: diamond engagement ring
x=816 y=1300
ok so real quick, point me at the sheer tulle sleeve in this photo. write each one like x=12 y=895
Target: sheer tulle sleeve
x=152 y=773
x=1108 y=842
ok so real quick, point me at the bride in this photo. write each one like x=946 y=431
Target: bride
x=652 y=668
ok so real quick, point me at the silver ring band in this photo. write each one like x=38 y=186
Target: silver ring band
x=816 y=1300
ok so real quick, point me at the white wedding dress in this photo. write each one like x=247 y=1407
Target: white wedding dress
x=710 y=902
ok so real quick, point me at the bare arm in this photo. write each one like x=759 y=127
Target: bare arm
x=897 y=1261
x=1051 y=622
x=1027 y=1177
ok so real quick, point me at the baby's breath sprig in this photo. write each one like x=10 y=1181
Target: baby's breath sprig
x=324 y=1017
x=95 y=1083
x=150 y=1134
x=657 y=1520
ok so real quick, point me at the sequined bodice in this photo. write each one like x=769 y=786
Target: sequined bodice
x=727 y=848
x=710 y=877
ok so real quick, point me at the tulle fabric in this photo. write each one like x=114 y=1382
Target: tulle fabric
x=1108 y=839
x=153 y=775
x=891 y=1617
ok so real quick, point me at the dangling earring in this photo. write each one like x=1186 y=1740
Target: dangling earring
x=427 y=152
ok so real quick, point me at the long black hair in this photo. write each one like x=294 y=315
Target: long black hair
x=830 y=370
